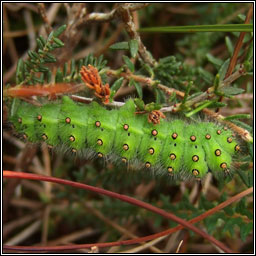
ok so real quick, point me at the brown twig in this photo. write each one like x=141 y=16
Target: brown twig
x=205 y=95
x=125 y=14
x=42 y=12
x=238 y=46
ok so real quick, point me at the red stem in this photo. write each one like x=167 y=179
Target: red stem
x=186 y=224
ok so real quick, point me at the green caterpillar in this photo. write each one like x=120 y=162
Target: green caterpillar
x=172 y=147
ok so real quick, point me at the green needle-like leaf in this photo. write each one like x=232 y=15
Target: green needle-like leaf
x=201 y=28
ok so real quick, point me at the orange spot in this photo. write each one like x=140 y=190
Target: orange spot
x=68 y=120
x=126 y=127
x=174 y=135
x=154 y=132
x=207 y=136
x=97 y=123
x=193 y=138
x=39 y=118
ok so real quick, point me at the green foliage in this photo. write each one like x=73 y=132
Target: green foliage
x=36 y=71
x=25 y=72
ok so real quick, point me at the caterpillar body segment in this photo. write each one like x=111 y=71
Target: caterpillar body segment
x=172 y=147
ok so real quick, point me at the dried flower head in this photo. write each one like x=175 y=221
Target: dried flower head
x=155 y=116
x=92 y=80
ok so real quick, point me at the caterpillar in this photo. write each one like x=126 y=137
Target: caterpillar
x=174 y=147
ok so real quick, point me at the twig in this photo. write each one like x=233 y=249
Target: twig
x=30 y=230
x=9 y=43
x=31 y=30
x=179 y=246
x=238 y=46
x=144 y=80
x=41 y=9
x=122 y=230
x=205 y=95
x=45 y=224
x=144 y=246
x=124 y=12
x=243 y=133
x=10 y=226
x=84 y=233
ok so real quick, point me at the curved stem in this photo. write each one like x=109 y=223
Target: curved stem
x=186 y=224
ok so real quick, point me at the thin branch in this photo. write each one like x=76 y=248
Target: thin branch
x=239 y=44
x=30 y=230
x=245 y=135
x=124 y=12
x=41 y=9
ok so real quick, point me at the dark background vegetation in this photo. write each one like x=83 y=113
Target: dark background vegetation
x=53 y=214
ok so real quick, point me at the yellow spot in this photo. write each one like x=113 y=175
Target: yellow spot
x=151 y=151
x=217 y=152
x=44 y=137
x=99 y=142
x=229 y=139
x=170 y=170
x=72 y=138
x=195 y=158
x=195 y=172
x=100 y=154
x=172 y=156
x=125 y=147
x=148 y=165
x=237 y=148
x=20 y=120
x=218 y=132
x=124 y=160
x=74 y=150
x=25 y=136
x=223 y=165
